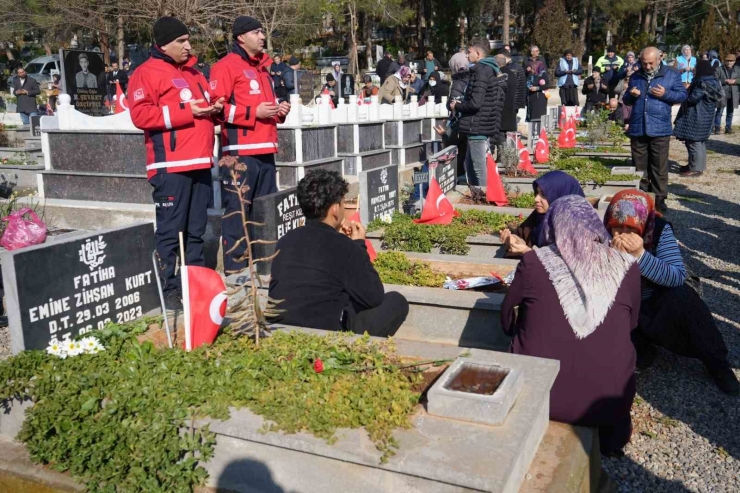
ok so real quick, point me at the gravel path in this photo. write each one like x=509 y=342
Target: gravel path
x=686 y=433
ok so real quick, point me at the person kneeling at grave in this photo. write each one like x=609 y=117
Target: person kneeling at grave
x=322 y=272
x=578 y=300
x=547 y=189
x=672 y=314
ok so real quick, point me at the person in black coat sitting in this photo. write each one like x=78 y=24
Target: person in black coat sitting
x=323 y=273
x=596 y=90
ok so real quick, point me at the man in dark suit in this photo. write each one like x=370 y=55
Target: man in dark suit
x=114 y=75
x=382 y=69
x=25 y=90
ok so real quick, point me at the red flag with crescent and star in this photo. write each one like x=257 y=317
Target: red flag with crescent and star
x=204 y=300
x=567 y=137
x=495 y=193
x=563 y=118
x=331 y=101
x=121 y=103
x=437 y=207
x=542 y=150
x=525 y=162
x=370 y=249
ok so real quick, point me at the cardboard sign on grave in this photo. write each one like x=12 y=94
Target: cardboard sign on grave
x=280 y=213
x=62 y=289
x=443 y=166
x=378 y=192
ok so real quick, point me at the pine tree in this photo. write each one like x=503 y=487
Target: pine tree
x=553 y=33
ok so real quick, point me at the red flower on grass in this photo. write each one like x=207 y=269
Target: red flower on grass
x=318 y=365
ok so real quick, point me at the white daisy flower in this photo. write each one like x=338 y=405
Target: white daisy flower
x=57 y=349
x=73 y=348
x=90 y=345
x=388 y=219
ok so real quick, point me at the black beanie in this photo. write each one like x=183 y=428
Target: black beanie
x=244 y=24
x=610 y=49
x=168 y=29
x=293 y=61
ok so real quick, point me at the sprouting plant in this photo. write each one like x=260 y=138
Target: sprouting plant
x=249 y=318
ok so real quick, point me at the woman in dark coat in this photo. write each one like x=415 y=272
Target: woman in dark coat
x=596 y=91
x=578 y=301
x=547 y=189
x=693 y=124
x=538 y=83
x=673 y=314
x=436 y=87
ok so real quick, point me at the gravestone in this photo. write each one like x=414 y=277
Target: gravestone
x=378 y=192
x=308 y=85
x=75 y=286
x=83 y=78
x=443 y=167
x=534 y=133
x=35 y=126
x=280 y=213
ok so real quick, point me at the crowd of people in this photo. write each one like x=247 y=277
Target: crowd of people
x=598 y=295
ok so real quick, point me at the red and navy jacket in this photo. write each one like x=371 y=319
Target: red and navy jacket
x=159 y=93
x=244 y=82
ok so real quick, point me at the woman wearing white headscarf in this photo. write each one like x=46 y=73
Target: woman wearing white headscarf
x=395 y=85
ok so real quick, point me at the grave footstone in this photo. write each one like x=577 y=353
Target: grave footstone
x=279 y=213
x=77 y=285
x=443 y=166
x=378 y=192
x=35 y=126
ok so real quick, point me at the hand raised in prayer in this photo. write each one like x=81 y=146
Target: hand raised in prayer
x=513 y=243
x=658 y=91
x=358 y=231
x=439 y=129
x=505 y=235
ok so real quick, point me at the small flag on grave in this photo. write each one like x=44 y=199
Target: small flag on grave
x=370 y=249
x=437 y=207
x=495 y=192
x=204 y=299
x=563 y=118
x=542 y=150
x=331 y=101
x=121 y=103
x=567 y=137
x=525 y=162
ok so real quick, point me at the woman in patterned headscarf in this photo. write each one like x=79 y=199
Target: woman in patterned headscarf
x=578 y=300
x=395 y=85
x=672 y=314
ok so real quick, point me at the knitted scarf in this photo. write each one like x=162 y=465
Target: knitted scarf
x=585 y=272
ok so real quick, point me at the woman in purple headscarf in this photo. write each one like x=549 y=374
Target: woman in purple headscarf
x=578 y=301
x=547 y=189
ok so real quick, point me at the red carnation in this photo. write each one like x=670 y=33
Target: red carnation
x=318 y=365
x=521 y=216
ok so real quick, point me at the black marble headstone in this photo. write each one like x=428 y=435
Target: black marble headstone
x=280 y=213
x=75 y=286
x=35 y=126
x=378 y=192
x=444 y=168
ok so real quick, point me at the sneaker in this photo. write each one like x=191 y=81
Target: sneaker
x=728 y=130
x=172 y=301
x=725 y=380
x=716 y=130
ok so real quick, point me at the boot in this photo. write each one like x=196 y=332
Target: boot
x=716 y=130
x=725 y=380
x=728 y=130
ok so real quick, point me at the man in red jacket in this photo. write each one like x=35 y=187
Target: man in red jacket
x=250 y=117
x=169 y=101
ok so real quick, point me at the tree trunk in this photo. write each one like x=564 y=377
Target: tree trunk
x=368 y=41
x=463 y=41
x=589 y=44
x=505 y=25
x=583 y=27
x=665 y=19
x=47 y=49
x=353 y=68
x=121 y=41
x=647 y=21
x=9 y=54
x=654 y=25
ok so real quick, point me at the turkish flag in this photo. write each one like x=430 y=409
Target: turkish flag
x=437 y=207
x=542 y=151
x=578 y=111
x=370 y=250
x=331 y=101
x=567 y=137
x=495 y=193
x=563 y=118
x=525 y=162
x=204 y=297
x=121 y=103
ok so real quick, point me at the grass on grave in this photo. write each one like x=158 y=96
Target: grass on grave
x=405 y=235
x=123 y=419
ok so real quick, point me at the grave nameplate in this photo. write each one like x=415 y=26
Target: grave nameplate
x=36 y=126
x=83 y=77
x=420 y=178
x=444 y=168
x=75 y=286
x=280 y=213
x=378 y=193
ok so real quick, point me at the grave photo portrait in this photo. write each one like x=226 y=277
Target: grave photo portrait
x=83 y=73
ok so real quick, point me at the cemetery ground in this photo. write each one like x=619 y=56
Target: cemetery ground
x=686 y=433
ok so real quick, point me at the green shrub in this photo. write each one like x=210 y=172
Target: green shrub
x=590 y=170
x=397 y=268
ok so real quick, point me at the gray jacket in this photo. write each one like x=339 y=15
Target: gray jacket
x=733 y=90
